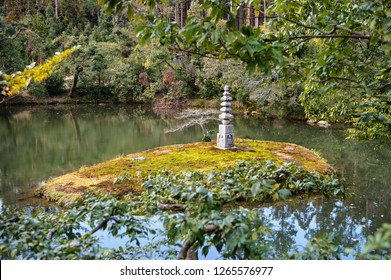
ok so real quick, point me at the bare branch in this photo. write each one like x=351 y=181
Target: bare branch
x=191 y=113
x=193 y=117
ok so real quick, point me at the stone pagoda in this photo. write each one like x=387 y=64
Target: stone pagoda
x=225 y=137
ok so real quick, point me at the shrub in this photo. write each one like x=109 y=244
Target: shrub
x=39 y=91
x=54 y=84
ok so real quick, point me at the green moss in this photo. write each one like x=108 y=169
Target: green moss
x=191 y=157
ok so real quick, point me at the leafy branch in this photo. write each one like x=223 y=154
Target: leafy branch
x=12 y=84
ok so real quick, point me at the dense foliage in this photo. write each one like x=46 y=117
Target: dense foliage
x=326 y=59
x=195 y=212
x=109 y=65
x=336 y=52
x=179 y=215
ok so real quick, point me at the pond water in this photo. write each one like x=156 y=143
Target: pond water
x=37 y=143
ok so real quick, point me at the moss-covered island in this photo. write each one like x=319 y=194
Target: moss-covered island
x=176 y=158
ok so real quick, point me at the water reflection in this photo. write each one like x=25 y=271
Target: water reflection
x=296 y=223
x=37 y=143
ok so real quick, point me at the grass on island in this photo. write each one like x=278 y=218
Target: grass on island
x=190 y=157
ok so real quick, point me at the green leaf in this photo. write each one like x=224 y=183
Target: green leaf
x=256 y=187
x=284 y=193
x=205 y=250
x=139 y=30
x=326 y=88
x=130 y=11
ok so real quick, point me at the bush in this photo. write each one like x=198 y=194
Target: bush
x=126 y=87
x=151 y=92
x=39 y=91
x=179 y=89
x=54 y=84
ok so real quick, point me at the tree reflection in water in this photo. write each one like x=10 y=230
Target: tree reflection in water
x=296 y=223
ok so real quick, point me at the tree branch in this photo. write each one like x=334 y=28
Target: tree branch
x=194 y=117
x=366 y=37
x=170 y=207
x=337 y=78
x=188 y=251
x=15 y=35
x=210 y=228
x=296 y=44
x=8 y=97
x=325 y=33
x=51 y=233
x=300 y=24
x=222 y=43
x=351 y=31
x=383 y=86
x=178 y=48
x=14 y=219
x=104 y=223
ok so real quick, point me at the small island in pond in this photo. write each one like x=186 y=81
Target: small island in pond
x=126 y=174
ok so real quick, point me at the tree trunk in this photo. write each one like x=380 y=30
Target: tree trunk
x=72 y=91
x=56 y=8
x=264 y=12
x=248 y=15
x=177 y=12
x=241 y=16
x=38 y=3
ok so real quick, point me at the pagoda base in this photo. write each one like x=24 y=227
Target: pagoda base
x=225 y=137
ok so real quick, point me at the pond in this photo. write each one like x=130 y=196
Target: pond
x=37 y=143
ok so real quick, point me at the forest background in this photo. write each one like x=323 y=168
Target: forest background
x=316 y=61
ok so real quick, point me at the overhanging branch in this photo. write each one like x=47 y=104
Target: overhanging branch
x=170 y=207
x=366 y=37
x=337 y=78
x=331 y=33
x=104 y=223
